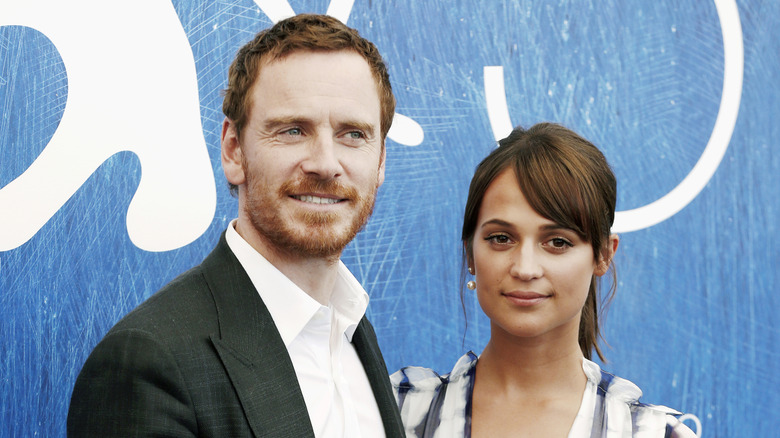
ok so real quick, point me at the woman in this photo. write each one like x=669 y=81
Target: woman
x=536 y=236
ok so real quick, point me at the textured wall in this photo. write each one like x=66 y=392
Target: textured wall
x=82 y=134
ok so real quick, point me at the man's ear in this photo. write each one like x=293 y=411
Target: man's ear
x=381 y=175
x=602 y=266
x=232 y=155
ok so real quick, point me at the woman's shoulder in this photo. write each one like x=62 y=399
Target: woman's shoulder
x=609 y=385
x=414 y=378
x=614 y=391
x=433 y=404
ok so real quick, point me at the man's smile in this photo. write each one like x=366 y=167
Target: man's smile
x=317 y=199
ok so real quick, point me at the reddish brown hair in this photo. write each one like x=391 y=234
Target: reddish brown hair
x=304 y=32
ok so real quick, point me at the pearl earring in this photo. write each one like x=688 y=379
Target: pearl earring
x=471 y=285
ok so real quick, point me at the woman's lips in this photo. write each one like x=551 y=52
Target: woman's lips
x=525 y=298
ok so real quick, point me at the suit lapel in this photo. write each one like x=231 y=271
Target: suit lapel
x=252 y=351
x=367 y=349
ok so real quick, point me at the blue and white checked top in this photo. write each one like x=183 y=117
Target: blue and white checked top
x=440 y=406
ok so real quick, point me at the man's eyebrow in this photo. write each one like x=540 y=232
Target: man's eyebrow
x=285 y=120
x=368 y=128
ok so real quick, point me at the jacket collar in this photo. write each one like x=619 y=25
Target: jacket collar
x=257 y=361
x=368 y=350
x=252 y=351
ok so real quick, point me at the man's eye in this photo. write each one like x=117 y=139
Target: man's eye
x=355 y=135
x=293 y=131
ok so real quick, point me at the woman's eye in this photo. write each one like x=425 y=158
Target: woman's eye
x=559 y=243
x=500 y=239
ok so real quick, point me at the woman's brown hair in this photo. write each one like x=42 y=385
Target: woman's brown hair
x=565 y=179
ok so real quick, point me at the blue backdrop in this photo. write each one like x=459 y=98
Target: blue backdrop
x=111 y=185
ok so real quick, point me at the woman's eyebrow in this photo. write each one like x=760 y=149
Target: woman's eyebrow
x=496 y=221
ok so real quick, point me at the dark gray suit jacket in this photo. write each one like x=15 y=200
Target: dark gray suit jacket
x=202 y=357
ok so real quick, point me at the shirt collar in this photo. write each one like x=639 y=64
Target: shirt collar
x=290 y=307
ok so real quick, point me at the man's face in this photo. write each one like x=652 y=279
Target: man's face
x=311 y=155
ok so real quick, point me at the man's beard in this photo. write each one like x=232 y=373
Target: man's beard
x=316 y=235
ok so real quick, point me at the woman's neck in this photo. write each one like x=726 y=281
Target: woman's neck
x=531 y=365
x=527 y=388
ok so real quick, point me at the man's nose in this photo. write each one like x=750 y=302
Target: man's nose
x=321 y=158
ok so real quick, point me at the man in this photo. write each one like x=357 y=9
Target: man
x=267 y=337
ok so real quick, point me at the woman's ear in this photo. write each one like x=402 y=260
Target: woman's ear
x=469 y=257
x=607 y=255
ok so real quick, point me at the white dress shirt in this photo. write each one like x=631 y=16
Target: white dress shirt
x=318 y=338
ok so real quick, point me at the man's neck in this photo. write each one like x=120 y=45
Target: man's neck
x=314 y=275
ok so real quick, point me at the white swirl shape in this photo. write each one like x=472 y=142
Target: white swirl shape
x=690 y=187
x=124 y=105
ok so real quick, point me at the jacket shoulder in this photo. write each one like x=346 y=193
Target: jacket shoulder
x=184 y=303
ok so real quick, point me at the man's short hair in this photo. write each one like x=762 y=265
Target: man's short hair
x=304 y=32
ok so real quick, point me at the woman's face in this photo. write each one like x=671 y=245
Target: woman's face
x=532 y=275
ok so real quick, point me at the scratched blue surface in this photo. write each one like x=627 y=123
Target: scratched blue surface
x=693 y=322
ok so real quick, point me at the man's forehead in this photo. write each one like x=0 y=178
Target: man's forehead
x=299 y=78
x=279 y=56
x=303 y=54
